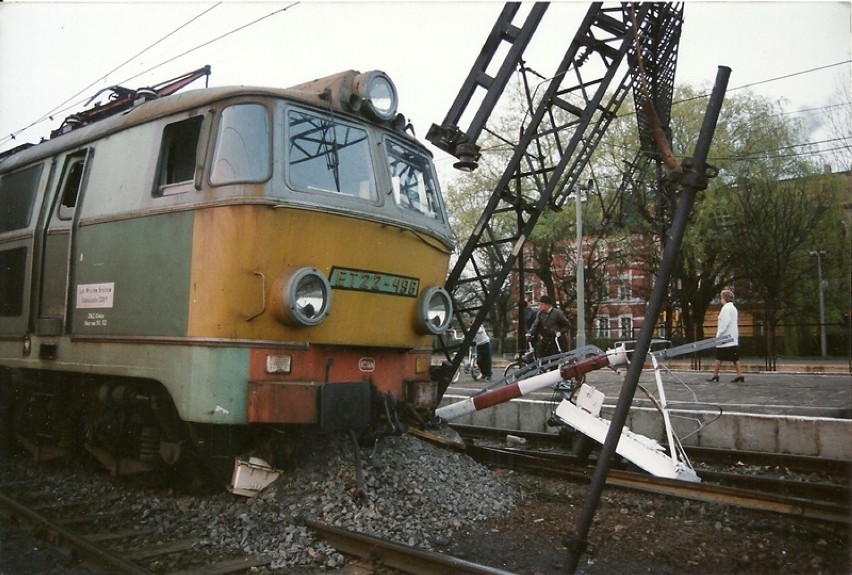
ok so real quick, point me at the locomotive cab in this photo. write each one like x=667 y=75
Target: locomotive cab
x=252 y=257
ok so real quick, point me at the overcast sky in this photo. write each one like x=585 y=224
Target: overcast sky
x=54 y=55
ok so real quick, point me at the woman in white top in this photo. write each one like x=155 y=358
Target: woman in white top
x=483 y=351
x=727 y=325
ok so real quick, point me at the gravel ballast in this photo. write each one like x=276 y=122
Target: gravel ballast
x=414 y=493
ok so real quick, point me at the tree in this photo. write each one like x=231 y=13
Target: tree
x=740 y=224
x=777 y=224
x=465 y=197
x=748 y=229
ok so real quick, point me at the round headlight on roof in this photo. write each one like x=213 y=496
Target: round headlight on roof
x=378 y=94
x=302 y=298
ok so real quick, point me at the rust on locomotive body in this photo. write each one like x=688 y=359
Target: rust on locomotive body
x=233 y=258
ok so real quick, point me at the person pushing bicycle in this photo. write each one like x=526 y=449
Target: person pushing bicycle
x=548 y=323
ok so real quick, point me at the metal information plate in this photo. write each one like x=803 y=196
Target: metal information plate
x=373 y=282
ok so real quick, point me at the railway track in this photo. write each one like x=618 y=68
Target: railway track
x=108 y=551
x=804 y=497
x=107 y=530
x=396 y=556
x=105 y=543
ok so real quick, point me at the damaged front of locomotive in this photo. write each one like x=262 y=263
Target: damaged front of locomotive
x=330 y=274
x=223 y=268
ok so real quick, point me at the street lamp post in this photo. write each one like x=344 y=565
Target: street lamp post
x=822 y=342
x=581 y=292
x=581 y=266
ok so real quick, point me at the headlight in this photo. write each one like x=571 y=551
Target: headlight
x=434 y=311
x=302 y=298
x=378 y=93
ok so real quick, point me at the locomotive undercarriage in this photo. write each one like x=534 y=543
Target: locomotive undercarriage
x=131 y=427
x=127 y=427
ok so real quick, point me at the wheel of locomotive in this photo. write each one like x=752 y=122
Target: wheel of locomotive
x=43 y=418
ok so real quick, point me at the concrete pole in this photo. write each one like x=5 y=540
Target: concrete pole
x=693 y=179
x=581 y=265
x=823 y=348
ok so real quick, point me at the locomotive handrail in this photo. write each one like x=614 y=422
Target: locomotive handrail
x=262 y=296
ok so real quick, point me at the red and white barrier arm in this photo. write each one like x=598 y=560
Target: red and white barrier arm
x=526 y=386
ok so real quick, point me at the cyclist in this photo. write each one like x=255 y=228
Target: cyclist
x=548 y=322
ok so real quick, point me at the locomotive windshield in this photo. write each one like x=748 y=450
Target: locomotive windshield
x=414 y=187
x=329 y=156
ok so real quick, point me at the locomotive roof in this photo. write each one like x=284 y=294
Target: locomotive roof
x=323 y=92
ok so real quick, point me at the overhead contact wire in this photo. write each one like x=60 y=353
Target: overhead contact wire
x=58 y=108
x=216 y=39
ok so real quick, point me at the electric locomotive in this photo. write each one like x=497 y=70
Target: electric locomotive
x=214 y=268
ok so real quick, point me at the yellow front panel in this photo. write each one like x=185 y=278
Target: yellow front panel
x=240 y=251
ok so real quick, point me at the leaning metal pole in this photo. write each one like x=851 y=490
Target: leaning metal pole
x=693 y=178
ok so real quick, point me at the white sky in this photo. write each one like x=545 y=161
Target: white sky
x=51 y=52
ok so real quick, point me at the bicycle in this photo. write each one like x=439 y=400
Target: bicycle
x=525 y=359
x=530 y=358
x=469 y=365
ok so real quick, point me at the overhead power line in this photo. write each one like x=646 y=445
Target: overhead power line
x=126 y=62
x=216 y=39
x=768 y=80
x=59 y=109
x=777 y=78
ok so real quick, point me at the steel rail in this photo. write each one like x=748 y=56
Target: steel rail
x=93 y=553
x=799 y=463
x=810 y=490
x=744 y=498
x=395 y=555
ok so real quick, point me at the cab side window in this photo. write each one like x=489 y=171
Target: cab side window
x=71 y=185
x=17 y=196
x=177 y=154
x=13 y=263
x=242 y=151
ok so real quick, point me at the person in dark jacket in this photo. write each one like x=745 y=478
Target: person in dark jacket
x=528 y=314
x=548 y=324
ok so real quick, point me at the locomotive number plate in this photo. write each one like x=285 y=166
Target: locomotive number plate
x=373 y=282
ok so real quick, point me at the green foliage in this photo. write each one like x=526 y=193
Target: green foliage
x=752 y=228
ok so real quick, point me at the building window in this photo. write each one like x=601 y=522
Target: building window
x=626 y=325
x=602 y=327
x=625 y=288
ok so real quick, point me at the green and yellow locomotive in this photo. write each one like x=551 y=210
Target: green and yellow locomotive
x=218 y=266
